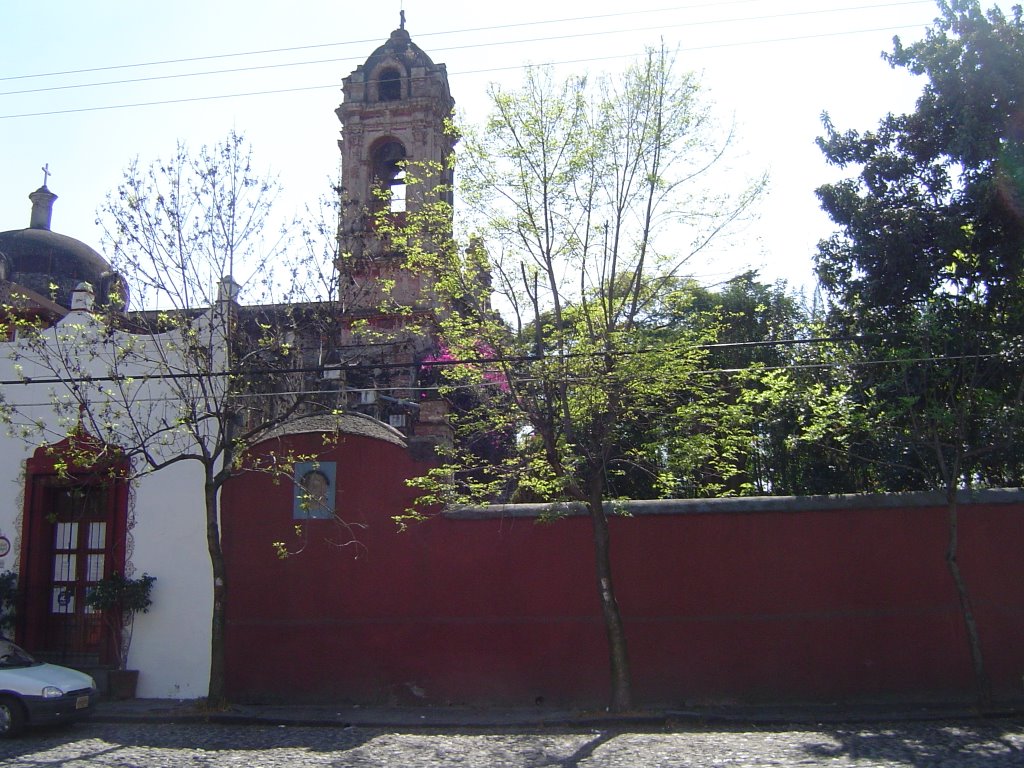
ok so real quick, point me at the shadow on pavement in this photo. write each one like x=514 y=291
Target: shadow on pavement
x=975 y=743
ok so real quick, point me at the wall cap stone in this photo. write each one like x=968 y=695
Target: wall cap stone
x=741 y=505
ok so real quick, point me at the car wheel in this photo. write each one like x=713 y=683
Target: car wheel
x=12 y=717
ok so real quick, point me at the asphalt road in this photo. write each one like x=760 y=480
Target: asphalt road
x=965 y=744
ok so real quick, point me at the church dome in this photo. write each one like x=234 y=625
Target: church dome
x=397 y=72
x=399 y=47
x=52 y=264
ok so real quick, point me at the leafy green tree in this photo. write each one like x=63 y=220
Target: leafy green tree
x=587 y=203
x=928 y=266
x=781 y=412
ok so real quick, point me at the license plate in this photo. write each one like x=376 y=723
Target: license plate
x=82 y=702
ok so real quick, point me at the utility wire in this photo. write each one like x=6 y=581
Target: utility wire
x=488 y=44
x=368 y=41
x=473 y=30
x=300 y=89
x=357 y=367
x=334 y=85
x=484 y=385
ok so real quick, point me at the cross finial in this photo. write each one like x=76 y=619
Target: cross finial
x=401 y=17
x=46 y=173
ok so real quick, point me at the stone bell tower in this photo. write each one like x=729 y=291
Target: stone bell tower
x=394 y=120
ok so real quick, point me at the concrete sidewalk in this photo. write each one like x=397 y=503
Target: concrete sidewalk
x=386 y=717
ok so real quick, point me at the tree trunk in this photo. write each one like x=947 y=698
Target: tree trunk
x=622 y=695
x=216 y=696
x=983 y=687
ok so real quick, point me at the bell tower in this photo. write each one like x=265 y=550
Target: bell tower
x=394 y=117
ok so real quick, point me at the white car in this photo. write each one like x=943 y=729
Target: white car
x=34 y=693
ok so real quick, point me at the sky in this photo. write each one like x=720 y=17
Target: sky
x=86 y=87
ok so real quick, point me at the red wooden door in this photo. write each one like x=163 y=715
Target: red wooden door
x=74 y=536
x=78 y=557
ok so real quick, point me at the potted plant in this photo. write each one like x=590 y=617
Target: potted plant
x=119 y=598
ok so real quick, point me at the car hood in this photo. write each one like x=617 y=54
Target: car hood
x=30 y=681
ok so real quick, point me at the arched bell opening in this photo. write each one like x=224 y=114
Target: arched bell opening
x=388 y=158
x=389 y=84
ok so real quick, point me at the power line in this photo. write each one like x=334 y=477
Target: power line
x=368 y=41
x=487 y=44
x=441 y=388
x=166 y=102
x=508 y=359
x=300 y=89
x=335 y=85
x=177 y=76
x=470 y=30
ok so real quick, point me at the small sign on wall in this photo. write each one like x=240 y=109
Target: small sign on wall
x=315 y=490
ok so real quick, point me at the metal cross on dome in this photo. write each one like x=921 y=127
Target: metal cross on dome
x=46 y=173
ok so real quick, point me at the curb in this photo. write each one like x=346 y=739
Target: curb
x=381 y=718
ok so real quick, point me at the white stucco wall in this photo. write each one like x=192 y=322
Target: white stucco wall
x=13 y=453
x=167 y=538
x=171 y=645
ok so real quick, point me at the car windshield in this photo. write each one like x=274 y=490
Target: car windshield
x=13 y=656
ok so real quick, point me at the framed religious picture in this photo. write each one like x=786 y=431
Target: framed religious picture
x=315 y=490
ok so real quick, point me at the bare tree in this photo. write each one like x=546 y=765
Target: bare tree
x=197 y=376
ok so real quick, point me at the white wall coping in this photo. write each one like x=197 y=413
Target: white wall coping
x=740 y=505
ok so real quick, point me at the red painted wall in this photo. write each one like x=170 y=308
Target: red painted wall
x=782 y=605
